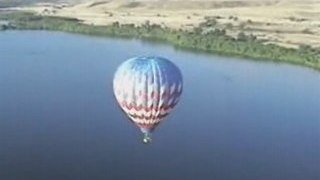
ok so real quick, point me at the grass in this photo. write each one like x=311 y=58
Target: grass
x=213 y=41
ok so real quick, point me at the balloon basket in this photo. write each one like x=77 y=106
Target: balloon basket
x=146 y=138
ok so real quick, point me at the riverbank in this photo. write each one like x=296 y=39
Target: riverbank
x=214 y=40
x=282 y=22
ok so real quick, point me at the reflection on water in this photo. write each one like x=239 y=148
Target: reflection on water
x=237 y=119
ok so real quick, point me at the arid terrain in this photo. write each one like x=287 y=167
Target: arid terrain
x=288 y=23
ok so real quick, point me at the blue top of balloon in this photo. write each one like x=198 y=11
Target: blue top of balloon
x=145 y=64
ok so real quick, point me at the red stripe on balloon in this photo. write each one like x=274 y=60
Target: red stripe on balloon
x=130 y=106
x=151 y=117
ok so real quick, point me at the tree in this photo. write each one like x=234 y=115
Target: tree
x=229 y=26
x=241 y=36
x=116 y=24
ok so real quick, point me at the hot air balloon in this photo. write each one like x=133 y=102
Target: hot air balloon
x=147 y=89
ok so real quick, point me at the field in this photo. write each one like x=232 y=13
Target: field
x=283 y=22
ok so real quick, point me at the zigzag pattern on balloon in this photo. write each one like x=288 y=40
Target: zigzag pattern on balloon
x=142 y=113
x=146 y=109
x=152 y=117
x=147 y=119
x=162 y=103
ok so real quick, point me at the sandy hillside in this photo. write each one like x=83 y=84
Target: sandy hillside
x=285 y=22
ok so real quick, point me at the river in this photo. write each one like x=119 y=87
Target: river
x=237 y=118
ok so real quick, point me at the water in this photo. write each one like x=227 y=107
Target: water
x=237 y=119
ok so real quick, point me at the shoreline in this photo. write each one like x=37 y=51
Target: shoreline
x=213 y=42
x=285 y=23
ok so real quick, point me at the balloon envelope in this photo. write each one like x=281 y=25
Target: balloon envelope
x=147 y=89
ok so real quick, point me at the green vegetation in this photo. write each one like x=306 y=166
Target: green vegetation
x=201 y=38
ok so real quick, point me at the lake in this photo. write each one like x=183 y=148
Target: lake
x=237 y=118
